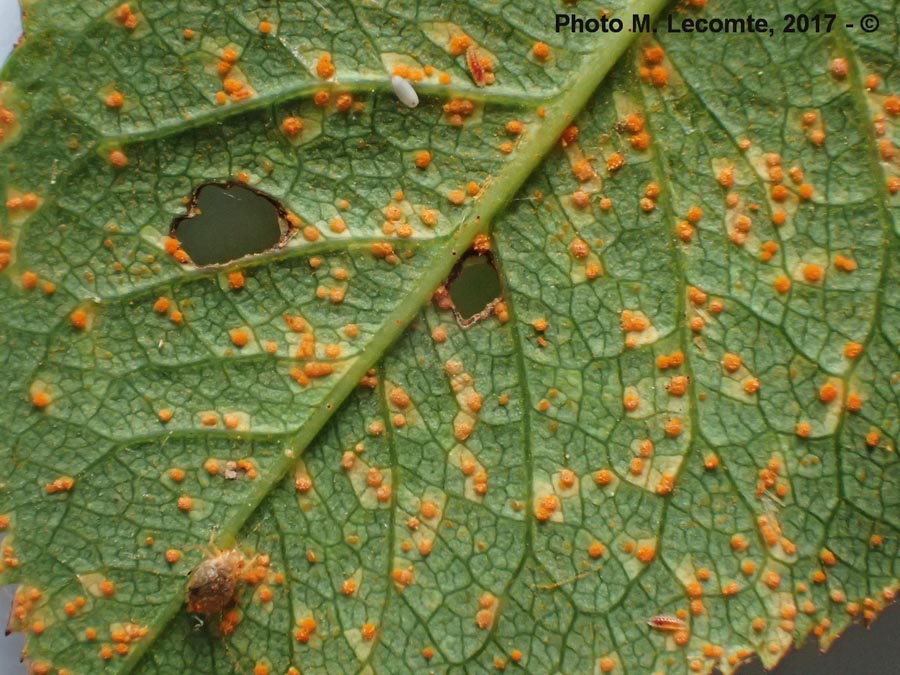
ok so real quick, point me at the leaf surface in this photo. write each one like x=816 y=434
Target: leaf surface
x=537 y=486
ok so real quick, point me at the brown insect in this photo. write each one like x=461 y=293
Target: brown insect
x=213 y=583
x=666 y=622
x=475 y=67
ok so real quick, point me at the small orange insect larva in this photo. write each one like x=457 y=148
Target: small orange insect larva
x=730 y=588
x=603 y=477
x=636 y=466
x=645 y=554
x=484 y=618
x=739 y=542
x=731 y=362
x=324 y=66
x=456 y=197
x=666 y=484
x=779 y=193
x=315 y=369
x=118 y=159
x=839 y=68
x=114 y=99
x=595 y=549
x=684 y=231
x=659 y=76
x=423 y=159
x=459 y=44
x=812 y=272
x=673 y=427
x=828 y=392
x=583 y=170
x=891 y=105
x=677 y=385
x=844 y=264
x=872 y=81
x=566 y=479
x=291 y=126
x=61 y=484
x=343 y=102
x=607 y=664
x=782 y=284
x=239 y=337
x=428 y=510
x=652 y=55
x=630 y=402
x=540 y=51
x=402 y=577
x=514 y=127
x=78 y=319
x=769 y=248
x=615 y=162
x=852 y=350
x=306 y=627
x=640 y=141
x=126 y=17
x=751 y=386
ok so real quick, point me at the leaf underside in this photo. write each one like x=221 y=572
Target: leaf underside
x=529 y=491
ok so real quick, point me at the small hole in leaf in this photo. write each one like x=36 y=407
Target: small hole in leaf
x=228 y=221
x=474 y=287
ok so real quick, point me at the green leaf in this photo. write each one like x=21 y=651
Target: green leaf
x=537 y=486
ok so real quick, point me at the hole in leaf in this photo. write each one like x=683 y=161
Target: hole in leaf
x=474 y=287
x=227 y=221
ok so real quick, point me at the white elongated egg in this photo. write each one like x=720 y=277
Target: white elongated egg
x=404 y=91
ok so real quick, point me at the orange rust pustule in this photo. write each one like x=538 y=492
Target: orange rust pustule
x=212 y=585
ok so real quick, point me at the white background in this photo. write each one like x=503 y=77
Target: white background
x=10 y=29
